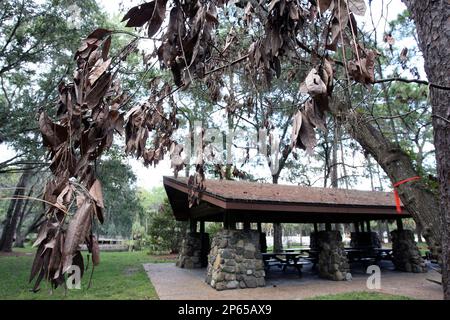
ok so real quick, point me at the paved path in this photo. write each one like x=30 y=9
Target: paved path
x=172 y=283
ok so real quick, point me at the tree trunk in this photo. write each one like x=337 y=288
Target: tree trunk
x=25 y=212
x=432 y=19
x=277 y=237
x=277 y=228
x=388 y=233
x=416 y=197
x=7 y=239
x=334 y=167
x=380 y=231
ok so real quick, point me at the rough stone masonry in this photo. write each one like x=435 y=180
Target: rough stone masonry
x=192 y=249
x=333 y=263
x=235 y=260
x=406 y=255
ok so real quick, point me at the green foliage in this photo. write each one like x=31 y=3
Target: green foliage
x=212 y=228
x=37 y=41
x=165 y=233
x=120 y=195
x=152 y=200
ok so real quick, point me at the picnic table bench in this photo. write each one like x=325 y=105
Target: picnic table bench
x=283 y=260
x=368 y=255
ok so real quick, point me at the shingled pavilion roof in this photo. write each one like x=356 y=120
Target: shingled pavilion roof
x=264 y=202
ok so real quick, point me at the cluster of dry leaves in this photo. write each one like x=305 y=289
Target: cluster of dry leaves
x=319 y=81
x=187 y=39
x=285 y=18
x=89 y=108
x=147 y=118
x=88 y=115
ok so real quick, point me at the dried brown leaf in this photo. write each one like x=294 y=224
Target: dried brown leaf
x=313 y=84
x=77 y=231
x=315 y=116
x=53 y=134
x=358 y=7
x=297 y=124
x=98 y=70
x=95 y=251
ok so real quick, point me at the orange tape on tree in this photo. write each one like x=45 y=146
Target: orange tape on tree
x=397 y=198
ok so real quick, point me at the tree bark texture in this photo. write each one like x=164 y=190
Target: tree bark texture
x=432 y=19
x=416 y=197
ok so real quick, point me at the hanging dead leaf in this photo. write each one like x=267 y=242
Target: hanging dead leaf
x=306 y=139
x=42 y=234
x=404 y=55
x=157 y=18
x=152 y=12
x=313 y=84
x=315 y=116
x=363 y=70
x=98 y=70
x=53 y=134
x=95 y=251
x=338 y=22
x=328 y=75
x=97 y=194
x=297 y=124
x=98 y=34
x=77 y=231
x=358 y=7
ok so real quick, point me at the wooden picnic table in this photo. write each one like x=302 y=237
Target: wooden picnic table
x=312 y=254
x=296 y=249
x=284 y=260
x=384 y=254
x=368 y=255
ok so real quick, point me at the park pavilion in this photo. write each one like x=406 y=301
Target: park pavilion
x=237 y=257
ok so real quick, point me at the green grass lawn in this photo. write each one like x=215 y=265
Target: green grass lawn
x=120 y=275
x=363 y=295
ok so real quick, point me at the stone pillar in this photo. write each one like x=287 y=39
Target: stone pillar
x=333 y=262
x=194 y=248
x=406 y=255
x=235 y=260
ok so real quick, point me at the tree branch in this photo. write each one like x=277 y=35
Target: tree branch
x=424 y=82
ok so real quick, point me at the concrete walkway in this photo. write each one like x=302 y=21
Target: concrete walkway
x=172 y=283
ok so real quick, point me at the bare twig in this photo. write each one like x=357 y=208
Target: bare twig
x=424 y=82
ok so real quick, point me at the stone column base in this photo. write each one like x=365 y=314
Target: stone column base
x=406 y=255
x=235 y=260
x=193 y=247
x=333 y=262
